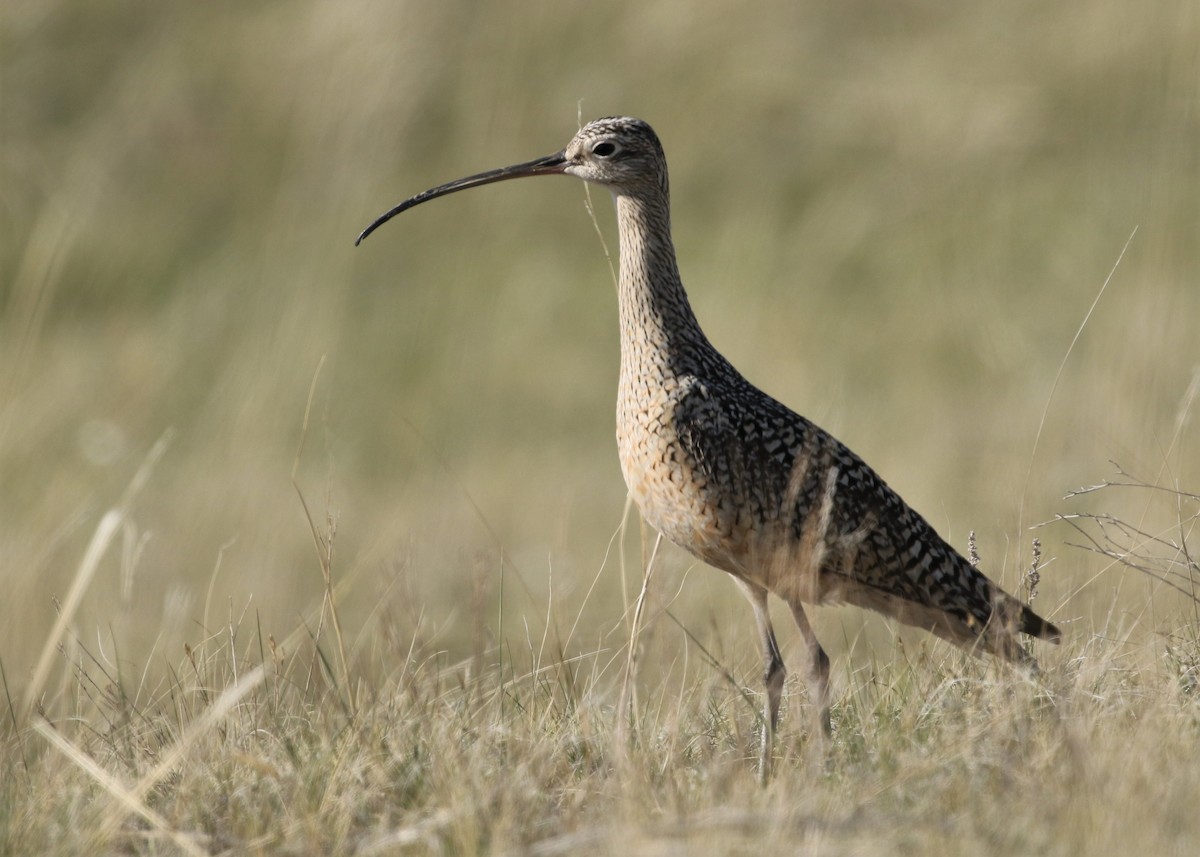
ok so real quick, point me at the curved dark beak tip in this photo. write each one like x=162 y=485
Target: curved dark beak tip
x=378 y=222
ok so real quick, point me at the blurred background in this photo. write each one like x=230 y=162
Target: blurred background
x=892 y=216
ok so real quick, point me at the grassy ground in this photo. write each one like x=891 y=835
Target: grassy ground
x=894 y=217
x=247 y=744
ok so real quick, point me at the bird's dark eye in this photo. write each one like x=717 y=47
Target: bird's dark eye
x=604 y=149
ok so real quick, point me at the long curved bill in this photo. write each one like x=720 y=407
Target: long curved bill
x=547 y=166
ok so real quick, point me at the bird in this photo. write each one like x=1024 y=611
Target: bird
x=738 y=479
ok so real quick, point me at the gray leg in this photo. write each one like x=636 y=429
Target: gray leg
x=773 y=674
x=818 y=669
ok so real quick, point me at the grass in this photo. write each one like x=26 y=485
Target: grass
x=895 y=221
x=252 y=745
x=246 y=744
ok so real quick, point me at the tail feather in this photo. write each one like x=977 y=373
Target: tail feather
x=1035 y=626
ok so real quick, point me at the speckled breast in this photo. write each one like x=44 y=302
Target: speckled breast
x=670 y=487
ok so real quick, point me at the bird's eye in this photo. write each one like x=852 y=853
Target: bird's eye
x=604 y=149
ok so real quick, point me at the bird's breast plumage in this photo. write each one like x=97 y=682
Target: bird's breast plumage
x=671 y=486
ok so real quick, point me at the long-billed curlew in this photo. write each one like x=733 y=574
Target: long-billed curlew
x=736 y=478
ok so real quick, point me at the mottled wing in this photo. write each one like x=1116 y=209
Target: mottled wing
x=833 y=529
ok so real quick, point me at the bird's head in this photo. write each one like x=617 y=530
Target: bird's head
x=619 y=152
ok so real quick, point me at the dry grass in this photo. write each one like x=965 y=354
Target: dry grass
x=249 y=745
x=893 y=217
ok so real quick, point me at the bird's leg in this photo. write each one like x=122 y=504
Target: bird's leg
x=818 y=667
x=773 y=674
